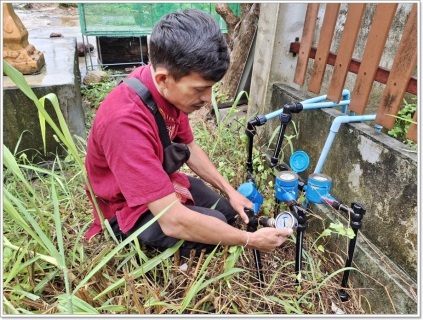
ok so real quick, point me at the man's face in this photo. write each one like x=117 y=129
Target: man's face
x=189 y=94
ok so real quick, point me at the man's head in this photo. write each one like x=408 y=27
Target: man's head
x=189 y=41
x=188 y=55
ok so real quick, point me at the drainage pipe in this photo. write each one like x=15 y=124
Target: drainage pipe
x=334 y=130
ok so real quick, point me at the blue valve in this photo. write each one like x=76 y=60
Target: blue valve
x=249 y=190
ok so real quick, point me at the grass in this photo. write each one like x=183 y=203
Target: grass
x=49 y=267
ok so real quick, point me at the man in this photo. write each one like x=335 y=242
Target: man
x=188 y=55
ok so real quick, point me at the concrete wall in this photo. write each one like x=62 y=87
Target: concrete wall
x=366 y=166
x=60 y=76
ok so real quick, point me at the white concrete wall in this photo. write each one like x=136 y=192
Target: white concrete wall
x=281 y=23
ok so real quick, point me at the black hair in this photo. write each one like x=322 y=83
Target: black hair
x=189 y=41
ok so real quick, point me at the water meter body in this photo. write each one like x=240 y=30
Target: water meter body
x=286 y=186
x=318 y=188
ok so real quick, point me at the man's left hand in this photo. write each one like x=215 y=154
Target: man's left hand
x=239 y=203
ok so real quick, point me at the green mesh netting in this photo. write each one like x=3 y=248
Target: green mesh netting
x=135 y=19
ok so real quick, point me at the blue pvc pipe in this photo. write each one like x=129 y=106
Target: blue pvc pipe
x=345 y=96
x=334 y=130
x=310 y=106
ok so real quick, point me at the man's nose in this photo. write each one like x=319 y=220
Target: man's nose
x=207 y=95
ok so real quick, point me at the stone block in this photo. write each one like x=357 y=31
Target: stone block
x=60 y=76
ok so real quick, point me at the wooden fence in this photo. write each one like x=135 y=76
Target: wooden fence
x=398 y=78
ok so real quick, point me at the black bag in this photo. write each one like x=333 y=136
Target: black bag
x=175 y=154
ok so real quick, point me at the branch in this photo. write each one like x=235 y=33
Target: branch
x=230 y=18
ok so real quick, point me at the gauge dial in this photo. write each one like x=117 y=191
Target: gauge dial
x=286 y=220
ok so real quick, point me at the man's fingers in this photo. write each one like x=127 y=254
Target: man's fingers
x=285 y=232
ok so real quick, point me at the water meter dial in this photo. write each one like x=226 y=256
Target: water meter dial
x=286 y=220
x=286 y=176
x=320 y=178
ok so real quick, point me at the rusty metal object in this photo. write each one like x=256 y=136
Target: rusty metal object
x=17 y=51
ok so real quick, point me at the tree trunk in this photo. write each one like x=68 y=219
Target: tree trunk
x=241 y=33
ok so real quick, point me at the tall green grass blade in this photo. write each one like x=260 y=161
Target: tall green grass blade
x=42 y=238
x=121 y=246
x=326 y=280
x=18 y=266
x=286 y=305
x=8 y=306
x=46 y=258
x=64 y=136
x=58 y=225
x=145 y=267
x=42 y=125
x=10 y=162
x=81 y=307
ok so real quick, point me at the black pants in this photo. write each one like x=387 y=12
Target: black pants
x=204 y=199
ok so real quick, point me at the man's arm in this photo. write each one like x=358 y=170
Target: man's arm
x=182 y=223
x=200 y=163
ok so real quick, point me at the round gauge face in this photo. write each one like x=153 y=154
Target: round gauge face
x=286 y=176
x=320 y=178
x=285 y=220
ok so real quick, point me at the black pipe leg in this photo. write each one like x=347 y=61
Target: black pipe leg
x=298 y=254
x=356 y=215
x=252 y=227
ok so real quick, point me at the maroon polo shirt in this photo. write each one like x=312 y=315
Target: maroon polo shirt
x=125 y=155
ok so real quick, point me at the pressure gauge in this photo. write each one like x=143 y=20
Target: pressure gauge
x=286 y=220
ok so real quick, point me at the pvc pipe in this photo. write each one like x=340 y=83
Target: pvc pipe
x=310 y=106
x=345 y=96
x=334 y=130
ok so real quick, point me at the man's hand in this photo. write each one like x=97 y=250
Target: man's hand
x=239 y=203
x=268 y=239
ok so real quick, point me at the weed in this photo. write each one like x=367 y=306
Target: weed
x=402 y=124
x=49 y=268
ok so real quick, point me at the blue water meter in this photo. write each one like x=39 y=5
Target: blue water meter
x=286 y=188
x=318 y=188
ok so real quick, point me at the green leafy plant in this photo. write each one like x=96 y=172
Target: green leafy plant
x=402 y=124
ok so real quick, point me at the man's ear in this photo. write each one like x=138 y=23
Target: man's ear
x=161 y=77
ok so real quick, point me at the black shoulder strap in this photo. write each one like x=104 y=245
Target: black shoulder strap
x=146 y=97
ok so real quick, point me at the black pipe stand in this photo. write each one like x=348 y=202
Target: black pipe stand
x=356 y=215
x=252 y=227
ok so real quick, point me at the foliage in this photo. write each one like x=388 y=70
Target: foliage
x=49 y=268
x=402 y=124
x=218 y=96
x=96 y=92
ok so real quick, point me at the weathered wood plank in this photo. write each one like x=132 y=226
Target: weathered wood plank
x=306 y=42
x=323 y=47
x=379 y=30
x=412 y=131
x=345 y=51
x=405 y=62
x=382 y=73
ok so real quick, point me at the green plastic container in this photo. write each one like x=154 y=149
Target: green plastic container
x=135 y=19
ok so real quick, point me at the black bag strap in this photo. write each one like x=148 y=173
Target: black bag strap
x=148 y=100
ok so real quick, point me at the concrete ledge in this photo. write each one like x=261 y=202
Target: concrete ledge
x=60 y=76
x=383 y=287
x=374 y=170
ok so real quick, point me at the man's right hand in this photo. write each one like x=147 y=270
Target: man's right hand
x=268 y=239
